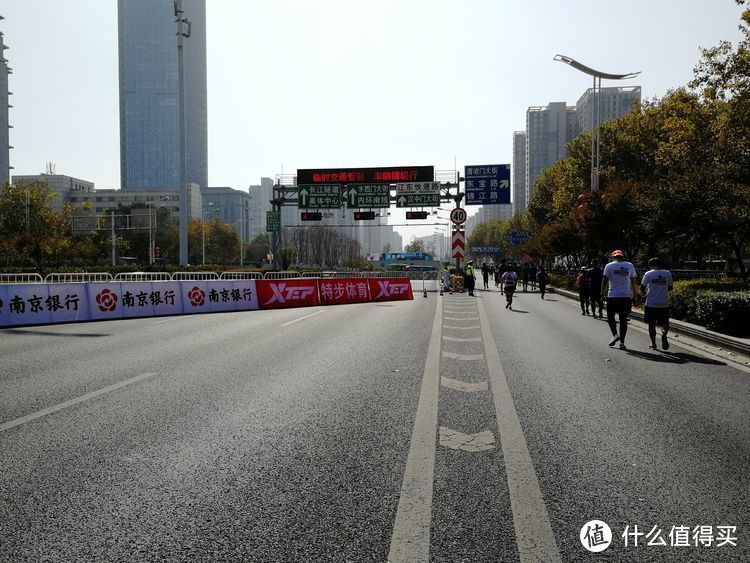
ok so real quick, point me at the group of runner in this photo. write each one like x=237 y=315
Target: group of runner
x=616 y=283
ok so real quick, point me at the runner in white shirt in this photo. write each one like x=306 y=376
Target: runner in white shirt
x=656 y=285
x=509 y=282
x=618 y=286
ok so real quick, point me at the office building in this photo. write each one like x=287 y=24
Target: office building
x=519 y=172
x=5 y=126
x=232 y=206
x=65 y=189
x=149 y=94
x=261 y=196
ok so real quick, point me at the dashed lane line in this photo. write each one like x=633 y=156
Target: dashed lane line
x=71 y=402
x=410 y=541
x=302 y=318
x=534 y=536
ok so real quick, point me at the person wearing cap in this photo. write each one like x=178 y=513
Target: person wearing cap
x=618 y=286
x=470 y=276
x=656 y=285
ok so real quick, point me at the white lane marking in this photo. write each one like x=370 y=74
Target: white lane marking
x=457 y=339
x=463 y=357
x=471 y=318
x=461 y=327
x=461 y=310
x=456 y=440
x=457 y=385
x=71 y=402
x=303 y=318
x=534 y=536
x=410 y=541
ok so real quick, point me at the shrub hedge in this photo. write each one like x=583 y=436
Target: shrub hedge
x=682 y=299
x=725 y=312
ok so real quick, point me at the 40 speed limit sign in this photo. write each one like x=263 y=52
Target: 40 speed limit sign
x=458 y=216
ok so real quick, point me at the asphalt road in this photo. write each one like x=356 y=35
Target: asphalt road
x=444 y=429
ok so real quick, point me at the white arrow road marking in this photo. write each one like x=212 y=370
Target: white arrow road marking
x=410 y=540
x=463 y=357
x=462 y=385
x=461 y=327
x=71 y=402
x=457 y=339
x=534 y=536
x=456 y=440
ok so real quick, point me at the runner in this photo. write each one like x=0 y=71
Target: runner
x=509 y=282
x=595 y=274
x=582 y=283
x=618 y=285
x=486 y=275
x=526 y=273
x=541 y=277
x=656 y=285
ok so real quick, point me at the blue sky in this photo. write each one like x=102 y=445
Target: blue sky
x=328 y=83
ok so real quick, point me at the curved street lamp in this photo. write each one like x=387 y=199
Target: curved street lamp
x=598 y=75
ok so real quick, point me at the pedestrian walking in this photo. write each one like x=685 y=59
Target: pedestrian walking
x=486 y=275
x=471 y=277
x=509 y=282
x=582 y=283
x=541 y=277
x=656 y=285
x=595 y=275
x=618 y=284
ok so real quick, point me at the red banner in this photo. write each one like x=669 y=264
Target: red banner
x=279 y=294
x=343 y=290
x=391 y=289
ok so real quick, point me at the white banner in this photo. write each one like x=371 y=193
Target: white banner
x=68 y=302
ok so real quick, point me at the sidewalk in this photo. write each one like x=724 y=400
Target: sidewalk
x=731 y=348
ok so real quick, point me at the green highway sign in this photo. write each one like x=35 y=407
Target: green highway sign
x=323 y=196
x=273 y=221
x=368 y=195
x=417 y=200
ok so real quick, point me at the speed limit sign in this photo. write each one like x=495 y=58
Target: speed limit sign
x=458 y=216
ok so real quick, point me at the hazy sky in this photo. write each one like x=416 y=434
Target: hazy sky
x=330 y=83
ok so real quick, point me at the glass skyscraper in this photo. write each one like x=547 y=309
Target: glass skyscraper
x=149 y=100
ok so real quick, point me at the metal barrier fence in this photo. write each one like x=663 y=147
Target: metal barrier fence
x=282 y=275
x=182 y=276
x=78 y=277
x=241 y=276
x=21 y=278
x=143 y=276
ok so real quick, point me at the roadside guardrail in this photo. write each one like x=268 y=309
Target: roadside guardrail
x=78 y=277
x=21 y=278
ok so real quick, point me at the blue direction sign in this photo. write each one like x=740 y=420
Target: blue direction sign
x=517 y=238
x=487 y=184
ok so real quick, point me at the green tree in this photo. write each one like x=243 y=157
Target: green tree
x=415 y=246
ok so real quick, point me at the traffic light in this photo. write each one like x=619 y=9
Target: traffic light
x=364 y=215
x=416 y=214
x=312 y=216
x=157 y=252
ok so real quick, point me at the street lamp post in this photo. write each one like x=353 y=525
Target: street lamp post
x=595 y=115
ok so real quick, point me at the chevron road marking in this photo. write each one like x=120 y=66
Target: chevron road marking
x=463 y=357
x=455 y=440
x=461 y=327
x=457 y=339
x=534 y=536
x=462 y=385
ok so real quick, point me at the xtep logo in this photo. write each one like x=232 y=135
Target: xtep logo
x=387 y=289
x=282 y=293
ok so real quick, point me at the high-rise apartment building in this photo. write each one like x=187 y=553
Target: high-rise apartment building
x=149 y=94
x=519 y=172
x=548 y=130
x=4 y=116
x=612 y=103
